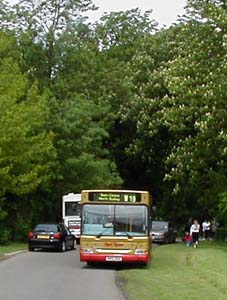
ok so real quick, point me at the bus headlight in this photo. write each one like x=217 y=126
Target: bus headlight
x=141 y=251
x=86 y=250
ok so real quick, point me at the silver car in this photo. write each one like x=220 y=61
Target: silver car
x=162 y=232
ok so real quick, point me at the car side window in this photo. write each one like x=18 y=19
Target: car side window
x=67 y=231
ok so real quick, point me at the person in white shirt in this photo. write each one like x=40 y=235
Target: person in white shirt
x=194 y=232
x=206 y=229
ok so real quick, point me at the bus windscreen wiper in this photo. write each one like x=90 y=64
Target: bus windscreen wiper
x=101 y=233
x=128 y=234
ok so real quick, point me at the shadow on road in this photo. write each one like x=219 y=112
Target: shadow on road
x=114 y=266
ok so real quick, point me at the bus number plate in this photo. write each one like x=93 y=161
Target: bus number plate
x=113 y=258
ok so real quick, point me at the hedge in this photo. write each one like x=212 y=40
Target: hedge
x=221 y=234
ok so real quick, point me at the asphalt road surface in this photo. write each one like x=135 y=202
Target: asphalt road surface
x=45 y=275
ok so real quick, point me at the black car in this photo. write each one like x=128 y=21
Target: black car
x=51 y=236
x=163 y=232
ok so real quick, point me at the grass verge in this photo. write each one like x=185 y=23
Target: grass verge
x=178 y=272
x=12 y=247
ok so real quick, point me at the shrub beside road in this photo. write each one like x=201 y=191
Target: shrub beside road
x=178 y=272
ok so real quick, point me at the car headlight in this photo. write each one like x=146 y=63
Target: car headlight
x=162 y=235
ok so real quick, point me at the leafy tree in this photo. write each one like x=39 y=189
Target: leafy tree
x=25 y=146
x=89 y=90
x=59 y=52
x=183 y=102
x=83 y=160
x=39 y=25
x=150 y=140
x=120 y=34
x=196 y=108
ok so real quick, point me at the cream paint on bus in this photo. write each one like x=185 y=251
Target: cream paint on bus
x=71 y=213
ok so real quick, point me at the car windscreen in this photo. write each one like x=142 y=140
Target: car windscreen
x=46 y=228
x=159 y=225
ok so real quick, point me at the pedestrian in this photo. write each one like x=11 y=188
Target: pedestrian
x=214 y=226
x=187 y=239
x=194 y=233
x=206 y=229
x=188 y=226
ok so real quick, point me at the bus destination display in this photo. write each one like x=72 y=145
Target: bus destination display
x=115 y=197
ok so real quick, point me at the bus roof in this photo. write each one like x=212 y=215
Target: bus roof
x=114 y=191
x=72 y=197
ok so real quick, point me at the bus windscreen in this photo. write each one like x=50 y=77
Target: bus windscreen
x=72 y=209
x=115 y=220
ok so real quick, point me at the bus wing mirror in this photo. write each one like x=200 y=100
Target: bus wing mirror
x=108 y=225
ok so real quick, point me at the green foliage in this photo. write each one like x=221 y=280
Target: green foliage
x=5 y=236
x=80 y=132
x=221 y=234
x=222 y=205
x=179 y=109
x=39 y=26
x=115 y=104
x=25 y=145
x=124 y=30
x=195 y=110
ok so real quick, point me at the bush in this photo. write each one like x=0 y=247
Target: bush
x=21 y=229
x=221 y=234
x=5 y=236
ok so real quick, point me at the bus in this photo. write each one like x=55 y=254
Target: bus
x=71 y=213
x=115 y=226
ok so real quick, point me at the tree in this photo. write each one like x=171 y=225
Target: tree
x=149 y=141
x=26 y=147
x=39 y=25
x=184 y=99
x=196 y=106
x=120 y=35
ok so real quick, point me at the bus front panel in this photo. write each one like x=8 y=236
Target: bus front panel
x=115 y=232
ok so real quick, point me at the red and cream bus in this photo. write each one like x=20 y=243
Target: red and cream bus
x=115 y=226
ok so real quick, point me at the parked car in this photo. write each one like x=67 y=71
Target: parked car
x=163 y=232
x=51 y=236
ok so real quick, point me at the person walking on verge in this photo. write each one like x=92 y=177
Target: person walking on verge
x=206 y=229
x=214 y=226
x=194 y=232
x=188 y=226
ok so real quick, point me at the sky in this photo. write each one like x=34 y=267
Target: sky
x=165 y=12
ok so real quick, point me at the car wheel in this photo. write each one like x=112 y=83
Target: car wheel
x=30 y=248
x=63 y=247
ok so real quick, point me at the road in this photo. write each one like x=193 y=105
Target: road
x=55 y=276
